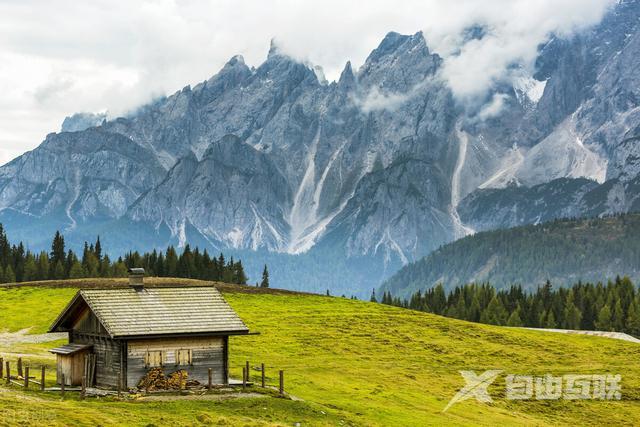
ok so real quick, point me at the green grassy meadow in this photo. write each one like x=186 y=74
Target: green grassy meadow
x=350 y=363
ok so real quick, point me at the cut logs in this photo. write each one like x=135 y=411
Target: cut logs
x=155 y=379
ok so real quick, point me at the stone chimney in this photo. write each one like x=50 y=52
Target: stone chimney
x=136 y=278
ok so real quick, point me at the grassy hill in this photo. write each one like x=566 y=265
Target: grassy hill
x=350 y=363
x=563 y=251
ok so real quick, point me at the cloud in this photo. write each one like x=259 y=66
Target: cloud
x=377 y=100
x=68 y=56
x=513 y=31
x=493 y=107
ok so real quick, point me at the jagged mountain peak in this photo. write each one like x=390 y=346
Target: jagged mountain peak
x=375 y=165
x=392 y=43
x=347 y=78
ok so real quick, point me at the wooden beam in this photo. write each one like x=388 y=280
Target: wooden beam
x=282 y=383
x=42 y=379
x=26 y=377
x=119 y=385
x=262 y=369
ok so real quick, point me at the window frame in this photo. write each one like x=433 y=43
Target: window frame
x=189 y=356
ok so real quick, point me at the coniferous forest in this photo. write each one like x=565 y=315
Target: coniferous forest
x=20 y=265
x=562 y=251
x=614 y=306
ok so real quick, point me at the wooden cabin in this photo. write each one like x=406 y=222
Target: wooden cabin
x=127 y=331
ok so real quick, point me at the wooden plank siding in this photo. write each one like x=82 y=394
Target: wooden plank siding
x=88 y=323
x=71 y=366
x=206 y=352
x=108 y=360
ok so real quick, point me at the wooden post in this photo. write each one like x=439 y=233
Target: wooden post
x=119 y=385
x=8 y=373
x=1 y=367
x=83 y=387
x=244 y=378
x=19 y=366
x=26 y=377
x=262 y=369
x=62 y=385
x=42 y=379
x=210 y=379
x=247 y=371
x=282 y=383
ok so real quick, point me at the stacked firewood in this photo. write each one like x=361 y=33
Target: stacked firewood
x=155 y=379
x=177 y=380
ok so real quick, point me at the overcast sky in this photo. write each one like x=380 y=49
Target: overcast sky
x=61 y=57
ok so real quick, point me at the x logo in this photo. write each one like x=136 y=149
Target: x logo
x=476 y=387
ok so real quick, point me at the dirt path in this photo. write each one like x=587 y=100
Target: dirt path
x=23 y=337
x=204 y=396
x=613 y=335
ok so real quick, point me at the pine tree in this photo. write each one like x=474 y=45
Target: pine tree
x=550 y=322
x=58 y=272
x=514 y=318
x=495 y=313
x=57 y=249
x=76 y=271
x=604 y=319
x=618 y=317
x=98 y=249
x=572 y=315
x=265 y=278
x=633 y=319
x=9 y=275
x=373 y=296
x=30 y=269
x=473 y=314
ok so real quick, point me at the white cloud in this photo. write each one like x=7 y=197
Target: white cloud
x=378 y=100
x=57 y=58
x=493 y=107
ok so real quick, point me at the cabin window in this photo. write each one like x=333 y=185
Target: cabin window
x=183 y=357
x=154 y=359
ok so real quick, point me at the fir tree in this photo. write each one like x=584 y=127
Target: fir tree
x=604 y=319
x=633 y=319
x=265 y=277
x=57 y=249
x=514 y=318
x=550 y=321
x=572 y=315
x=373 y=296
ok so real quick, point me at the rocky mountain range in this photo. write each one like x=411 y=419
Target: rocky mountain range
x=368 y=172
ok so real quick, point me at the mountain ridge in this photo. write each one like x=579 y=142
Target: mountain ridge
x=383 y=165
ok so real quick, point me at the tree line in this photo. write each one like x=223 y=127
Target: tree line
x=20 y=265
x=614 y=306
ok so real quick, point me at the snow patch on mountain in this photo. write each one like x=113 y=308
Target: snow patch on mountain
x=528 y=90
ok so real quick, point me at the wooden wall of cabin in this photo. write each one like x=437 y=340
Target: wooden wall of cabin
x=206 y=352
x=87 y=329
x=72 y=366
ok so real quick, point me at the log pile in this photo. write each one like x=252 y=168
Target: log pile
x=155 y=379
